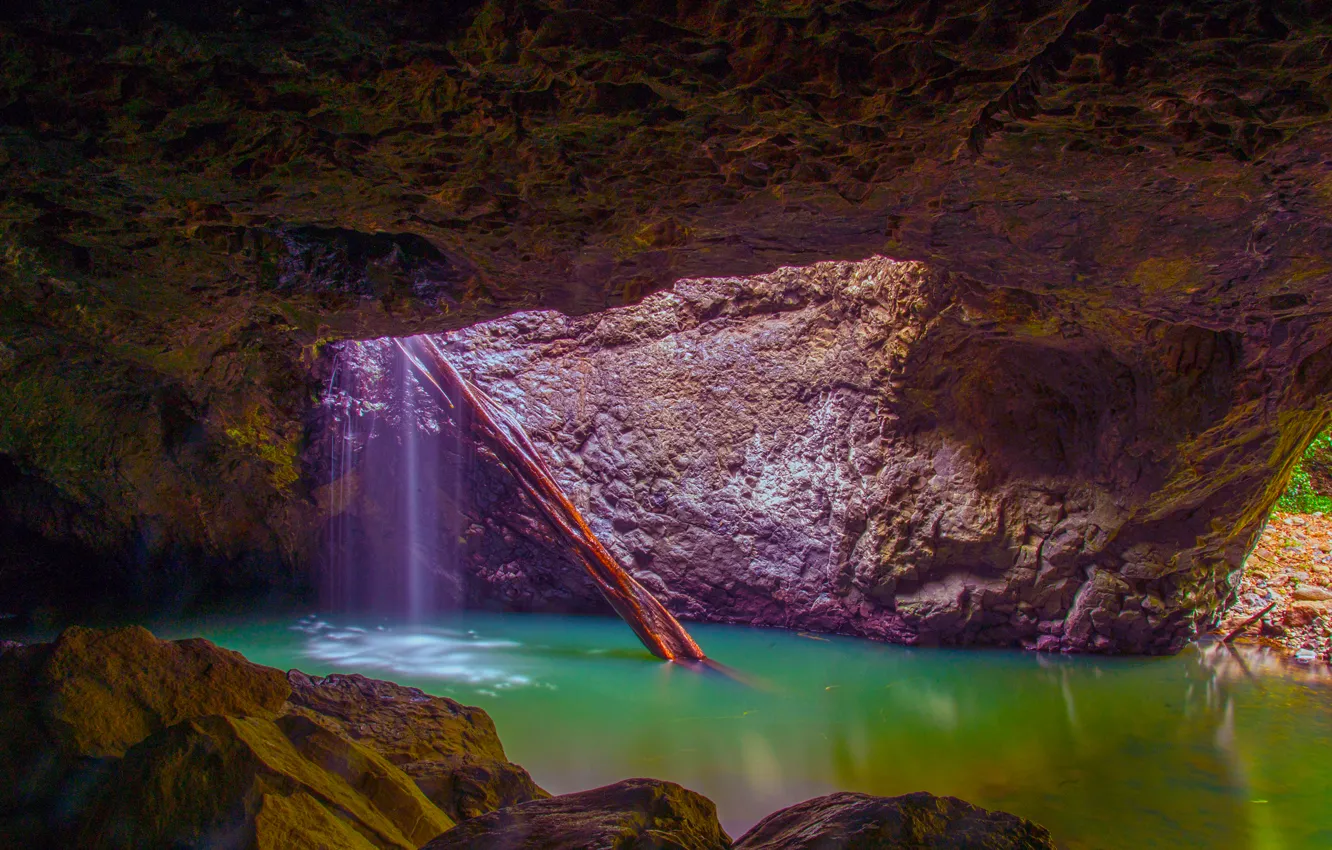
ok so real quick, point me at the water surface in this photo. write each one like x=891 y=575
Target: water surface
x=1112 y=754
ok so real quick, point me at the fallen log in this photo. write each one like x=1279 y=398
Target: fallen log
x=659 y=631
x=1248 y=622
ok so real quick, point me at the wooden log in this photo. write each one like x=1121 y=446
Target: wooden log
x=1249 y=622
x=659 y=631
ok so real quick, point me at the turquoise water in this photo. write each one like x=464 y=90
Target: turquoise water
x=1113 y=754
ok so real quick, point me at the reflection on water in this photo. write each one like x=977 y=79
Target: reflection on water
x=438 y=654
x=1211 y=749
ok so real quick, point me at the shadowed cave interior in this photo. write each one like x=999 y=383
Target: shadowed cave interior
x=383 y=381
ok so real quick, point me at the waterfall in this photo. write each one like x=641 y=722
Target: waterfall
x=409 y=421
x=387 y=549
x=337 y=576
x=417 y=504
x=494 y=427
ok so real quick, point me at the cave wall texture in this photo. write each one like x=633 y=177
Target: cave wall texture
x=1118 y=202
x=855 y=447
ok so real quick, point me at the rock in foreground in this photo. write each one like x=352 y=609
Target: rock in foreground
x=115 y=739
x=203 y=781
x=921 y=821
x=451 y=750
x=634 y=814
x=111 y=740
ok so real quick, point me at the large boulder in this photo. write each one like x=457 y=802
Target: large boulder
x=99 y=692
x=634 y=814
x=90 y=695
x=212 y=781
x=450 y=749
x=921 y=821
x=119 y=739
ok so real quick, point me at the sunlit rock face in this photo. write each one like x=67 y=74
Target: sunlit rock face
x=879 y=449
x=198 y=197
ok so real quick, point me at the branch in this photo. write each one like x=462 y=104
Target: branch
x=1249 y=622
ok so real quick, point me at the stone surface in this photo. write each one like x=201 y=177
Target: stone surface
x=1299 y=614
x=206 y=781
x=92 y=694
x=873 y=448
x=118 y=739
x=199 y=196
x=466 y=786
x=451 y=750
x=99 y=692
x=921 y=821
x=634 y=814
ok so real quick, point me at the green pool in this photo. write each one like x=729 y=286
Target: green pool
x=1204 y=750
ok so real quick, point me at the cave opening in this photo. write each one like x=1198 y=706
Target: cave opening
x=958 y=375
x=828 y=450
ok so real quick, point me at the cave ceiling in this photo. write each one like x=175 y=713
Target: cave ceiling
x=197 y=195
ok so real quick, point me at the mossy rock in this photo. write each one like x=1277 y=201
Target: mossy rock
x=400 y=723
x=252 y=783
x=467 y=787
x=91 y=694
x=108 y=690
x=450 y=749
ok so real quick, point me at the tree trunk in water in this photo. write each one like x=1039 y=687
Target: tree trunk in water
x=660 y=632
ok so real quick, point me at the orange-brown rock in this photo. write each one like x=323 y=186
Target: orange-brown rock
x=93 y=694
x=212 y=780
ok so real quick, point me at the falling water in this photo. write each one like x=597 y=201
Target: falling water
x=396 y=517
x=414 y=545
x=503 y=435
x=389 y=547
x=337 y=581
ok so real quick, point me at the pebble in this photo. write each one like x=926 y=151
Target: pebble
x=1306 y=656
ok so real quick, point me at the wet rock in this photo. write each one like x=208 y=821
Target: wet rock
x=403 y=724
x=452 y=750
x=118 y=739
x=466 y=786
x=91 y=694
x=921 y=821
x=102 y=691
x=204 y=782
x=635 y=814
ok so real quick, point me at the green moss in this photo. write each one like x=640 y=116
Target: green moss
x=255 y=435
x=1160 y=274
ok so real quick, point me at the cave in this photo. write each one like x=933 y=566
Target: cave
x=939 y=391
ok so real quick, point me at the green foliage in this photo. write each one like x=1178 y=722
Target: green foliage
x=1303 y=494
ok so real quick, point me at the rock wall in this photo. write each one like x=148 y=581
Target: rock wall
x=199 y=197
x=880 y=449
